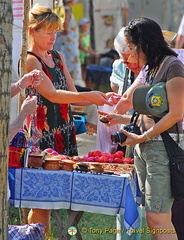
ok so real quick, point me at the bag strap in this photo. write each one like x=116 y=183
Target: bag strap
x=165 y=133
x=125 y=83
x=132 y=76
x=134 y=118
x=151 y=74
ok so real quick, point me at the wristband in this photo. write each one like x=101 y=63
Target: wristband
x=18 y=85
x=147 y=137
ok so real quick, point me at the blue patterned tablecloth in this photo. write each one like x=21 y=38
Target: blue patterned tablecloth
x=97 y=193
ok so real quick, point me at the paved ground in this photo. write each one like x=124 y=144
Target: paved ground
x=86 y=143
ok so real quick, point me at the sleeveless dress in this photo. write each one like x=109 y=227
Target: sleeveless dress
x=54 y=121
x=68 y=46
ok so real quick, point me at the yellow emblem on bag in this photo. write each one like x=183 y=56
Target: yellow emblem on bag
x=156 y=101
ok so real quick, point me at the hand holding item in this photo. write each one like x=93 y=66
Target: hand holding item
x=111 y=119
x=32 y=78
x=114 y=118
x=113 y=97
x=104 y=119
x=29 y=105
x=99 y=98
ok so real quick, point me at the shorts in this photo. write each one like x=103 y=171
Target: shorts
x=152 y=166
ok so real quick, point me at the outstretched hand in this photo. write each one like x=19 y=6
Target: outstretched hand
x=113 y=118
x=29 y=105
x=113 y=97
x=99 y=98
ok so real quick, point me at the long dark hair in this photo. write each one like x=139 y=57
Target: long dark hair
x=147 y=35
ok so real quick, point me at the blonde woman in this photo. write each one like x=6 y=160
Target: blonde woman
x=55 y=92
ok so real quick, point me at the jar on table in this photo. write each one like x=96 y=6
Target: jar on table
x=51 y=164
x=35 y=160
x=67 y=165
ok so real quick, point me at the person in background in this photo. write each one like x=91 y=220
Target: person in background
x=123 y=66
x=55 y=92
x=67 y=43
x=145 y=40
x=125 y=10
x=84 y=44
x=180 y=37
x=124 y=71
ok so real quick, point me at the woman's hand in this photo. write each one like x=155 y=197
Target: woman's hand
x=113 y=97
x=115 y=118
x=132 y=138
x=99 y=98
x=29 y=105
x=32 y=78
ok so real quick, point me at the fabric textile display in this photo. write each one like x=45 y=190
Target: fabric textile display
x=26 y=232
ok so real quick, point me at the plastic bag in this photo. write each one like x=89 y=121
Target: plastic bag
x=104 y=143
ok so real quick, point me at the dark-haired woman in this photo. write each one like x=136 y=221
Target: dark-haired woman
x=145 y=40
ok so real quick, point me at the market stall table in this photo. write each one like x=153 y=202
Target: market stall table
x=77 y=192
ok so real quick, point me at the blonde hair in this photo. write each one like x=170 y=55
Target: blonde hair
x=43 y=17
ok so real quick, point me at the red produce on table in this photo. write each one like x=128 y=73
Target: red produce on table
x=119 y=154
x=118 y=160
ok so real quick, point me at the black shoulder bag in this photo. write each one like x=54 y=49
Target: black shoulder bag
x=175 y=154
x=176 y=164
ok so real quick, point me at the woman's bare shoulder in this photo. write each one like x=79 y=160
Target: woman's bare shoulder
x=33 y=63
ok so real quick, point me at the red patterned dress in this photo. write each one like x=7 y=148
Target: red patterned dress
x=54 y=121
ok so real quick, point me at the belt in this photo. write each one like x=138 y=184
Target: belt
x=173 y=135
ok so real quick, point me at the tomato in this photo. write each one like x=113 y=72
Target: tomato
x=97 y=153
x=102 y=159
x=96 y=158
x=119 y=154
x=90 y=159
x=110 y=160
x=90 y=154
x=118 y=160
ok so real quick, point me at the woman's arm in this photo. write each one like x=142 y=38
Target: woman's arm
x=115 y=118
x=175 y=90
x=28 y=106
x=66 y=21
x=125 y=104
x=47 y=90
x=33 y=78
